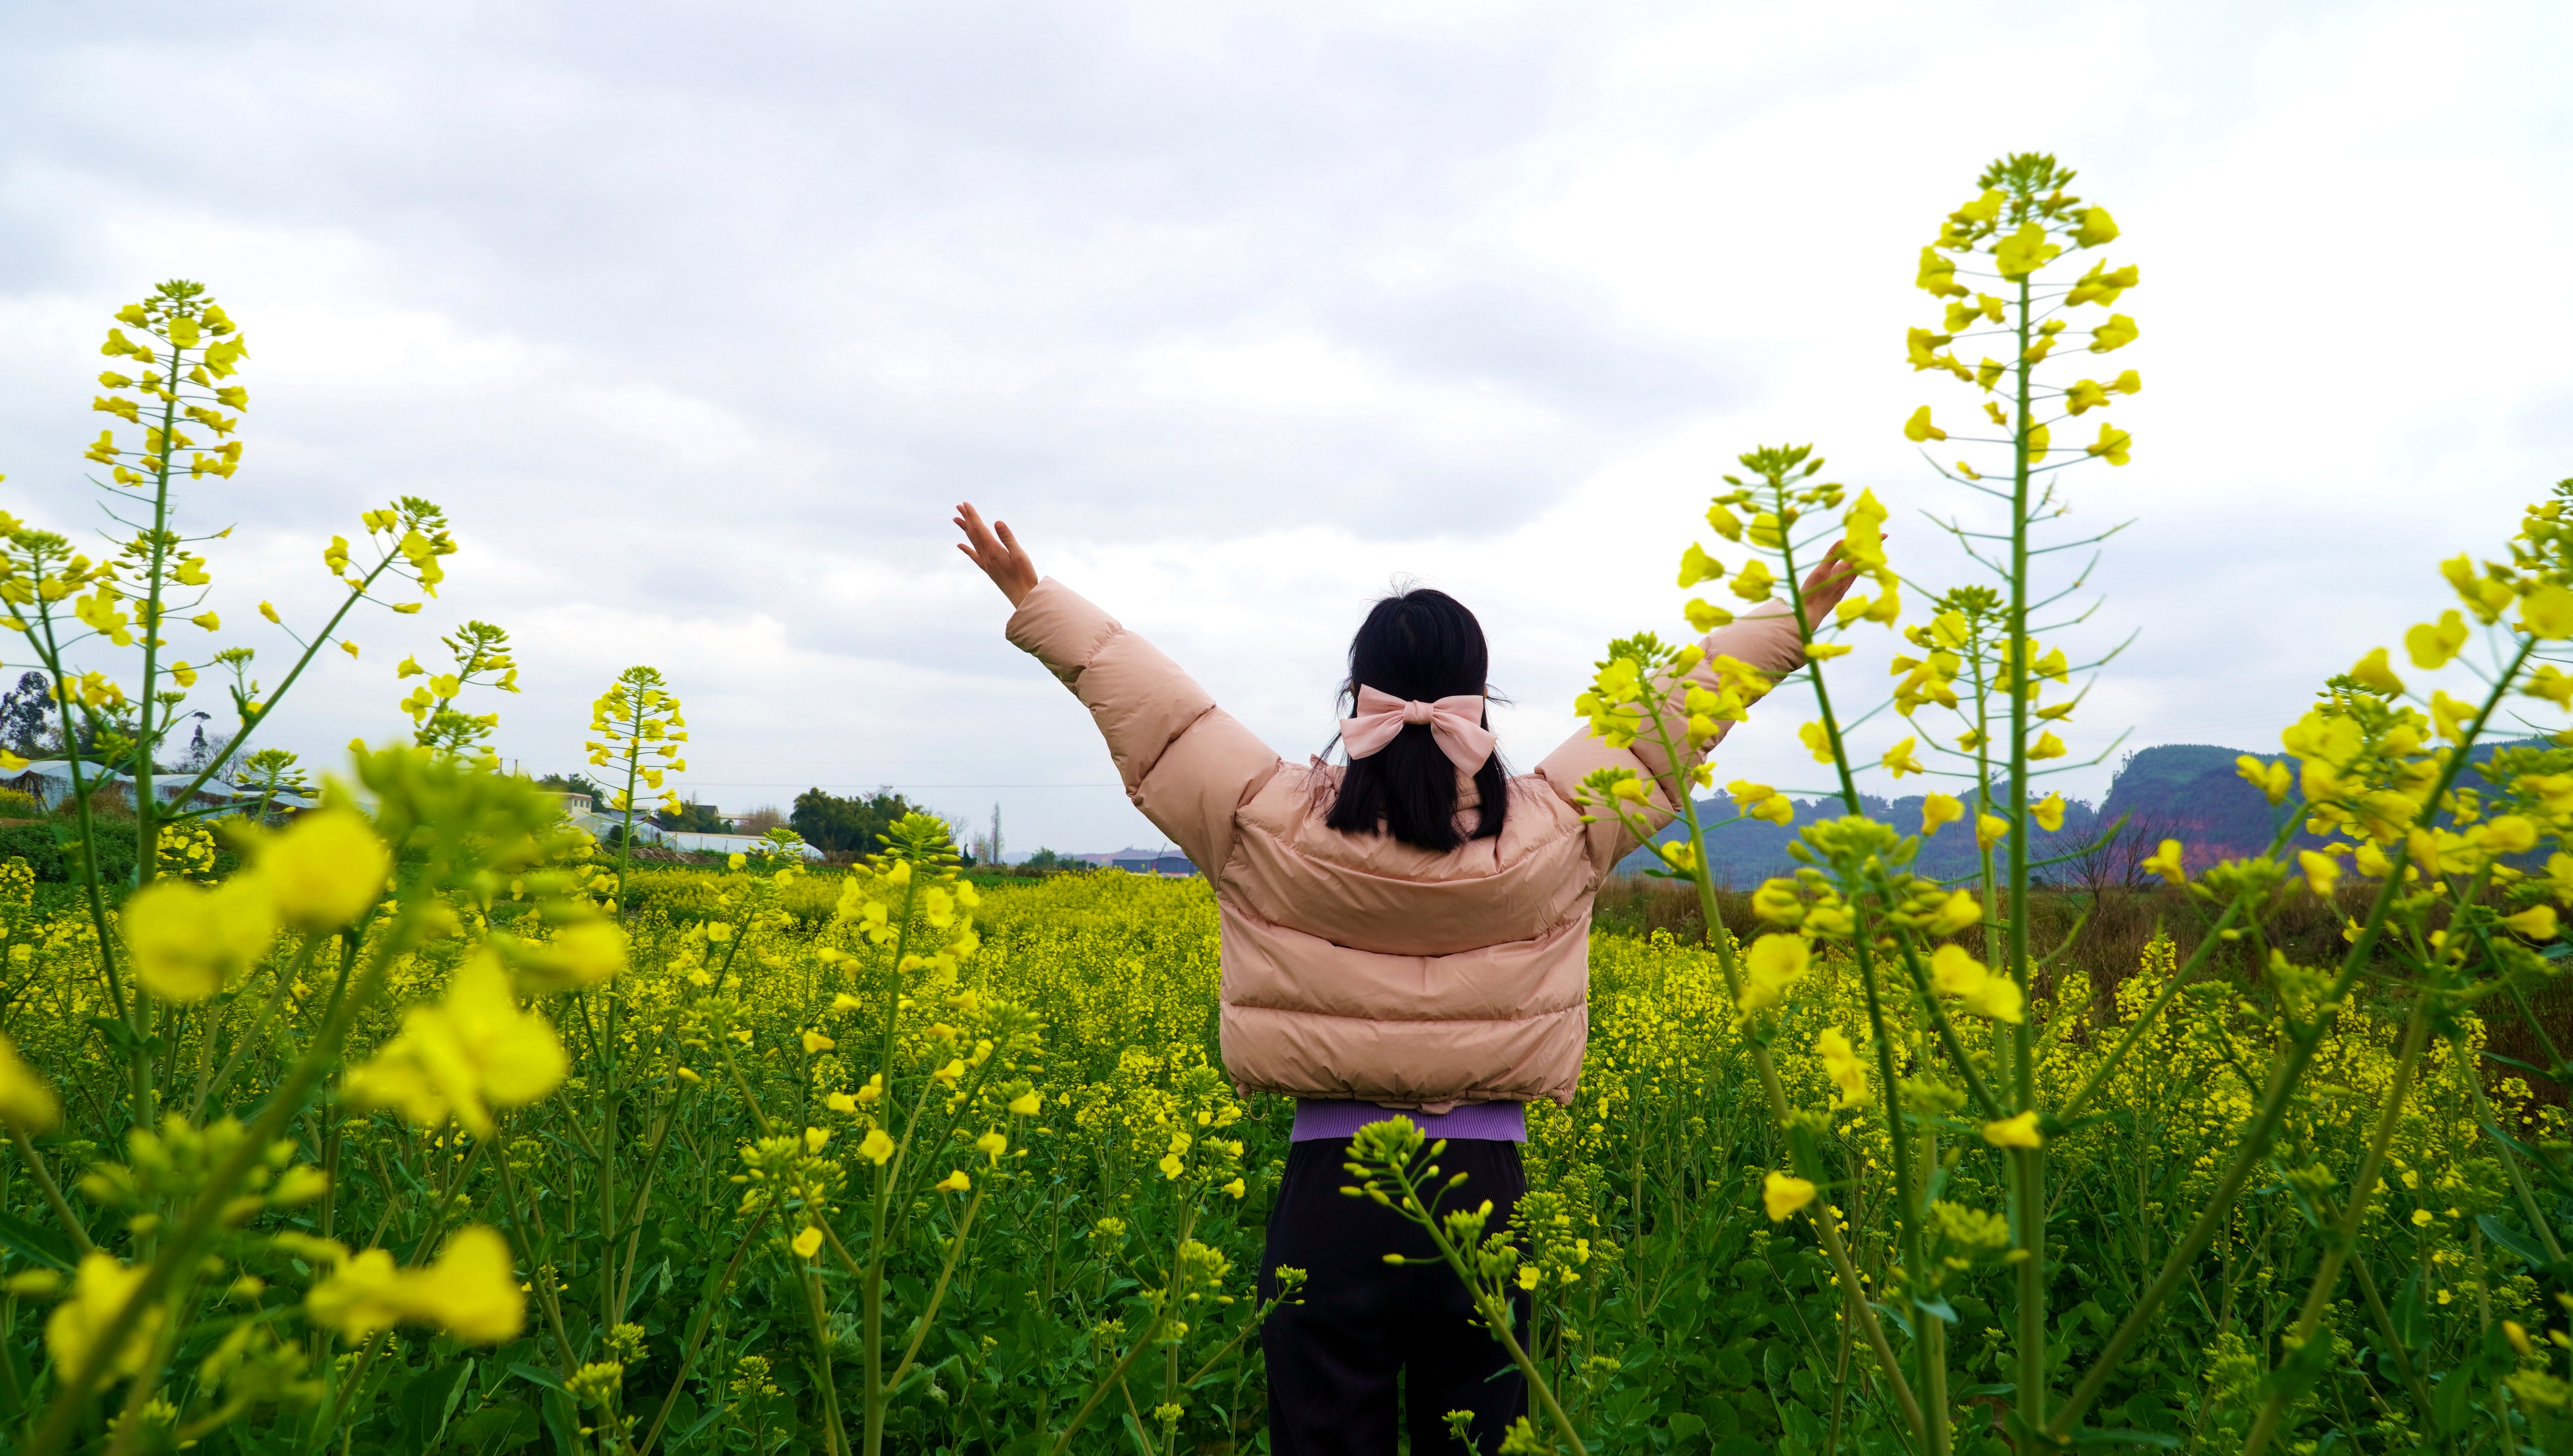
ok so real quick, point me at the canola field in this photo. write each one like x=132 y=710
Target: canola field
x=772 y=1193
x=413 y=1121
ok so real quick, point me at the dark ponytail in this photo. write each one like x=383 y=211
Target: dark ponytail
x=1419 y=645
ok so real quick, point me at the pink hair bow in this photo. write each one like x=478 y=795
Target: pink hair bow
x=1457 y=722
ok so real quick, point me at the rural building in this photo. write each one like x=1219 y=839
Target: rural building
x=49 y=782
x=1133 y=861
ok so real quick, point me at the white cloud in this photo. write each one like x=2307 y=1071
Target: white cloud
x=1241 y=312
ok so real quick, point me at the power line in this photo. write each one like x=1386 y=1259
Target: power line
x=870 y=784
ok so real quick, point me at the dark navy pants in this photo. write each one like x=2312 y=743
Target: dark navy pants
x=1333 y=1358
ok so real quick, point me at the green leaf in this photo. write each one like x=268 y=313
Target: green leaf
x=2512 y=1239
x=2452 y=1404
x=539 y=1377
x=2411 y=1318
x=36 y=1242
x=2127 y=1437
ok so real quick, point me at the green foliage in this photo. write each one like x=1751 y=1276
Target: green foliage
x=849 y=824
x=691 y=818
x=43 y=846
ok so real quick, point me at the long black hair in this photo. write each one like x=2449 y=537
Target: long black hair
x=1419 y=645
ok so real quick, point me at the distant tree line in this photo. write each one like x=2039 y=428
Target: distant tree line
x=837 y=825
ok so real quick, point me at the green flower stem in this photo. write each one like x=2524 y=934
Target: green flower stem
x=706 y=1304
x=527 y=1229
x=1116 y=1377
x=2028 y=1185
x=835 y=1439
x=2510 y=1162
x=341 y=1392
x=936 y=1293
x=1496 y=1308
x=222 y=1081
x=1853 y=1292
x=632 y=1224
x=147 y=809
x=93 y=889
x=633 y=730
x=2385 y=1322
x=2344 y=1237
x=1948 y=1040
x=53 y=1192
x=880 y=1222
x=181 y=1249
x=2556 y=1070
x=2285 y=1074
x=1930 y=1351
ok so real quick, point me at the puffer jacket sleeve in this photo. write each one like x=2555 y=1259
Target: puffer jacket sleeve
x=1186 y=763
x=1765 y=640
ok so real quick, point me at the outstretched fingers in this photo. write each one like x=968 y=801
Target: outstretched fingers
x=997 y=551
x=1830 y=580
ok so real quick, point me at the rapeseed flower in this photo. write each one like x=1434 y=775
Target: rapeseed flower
x=189 y=943
x=100 y=1288
x=472 y=1051
x=1785 y=1195
x=2018 y=1131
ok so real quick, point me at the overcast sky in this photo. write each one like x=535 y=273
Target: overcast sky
x=697 y=319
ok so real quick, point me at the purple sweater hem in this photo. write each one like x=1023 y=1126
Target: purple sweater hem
x=1316 y=1120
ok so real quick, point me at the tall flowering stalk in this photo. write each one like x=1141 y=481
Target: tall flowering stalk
x=81 y=618
x=929 y=1088
x=2376 y=792
x=640 y=738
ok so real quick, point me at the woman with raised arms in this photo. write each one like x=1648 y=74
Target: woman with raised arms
x=1403 y=934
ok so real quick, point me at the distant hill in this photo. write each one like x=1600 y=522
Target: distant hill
x=2190 y=792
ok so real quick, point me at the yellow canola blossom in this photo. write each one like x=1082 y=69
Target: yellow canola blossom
x=2019 y=1132
x=2547 y=612
x=2376 y=675
x=2167 y=861
x=27 y=1100
x=1785 y=1195
x=2322 y=872
x=579 y=956
x=471 y=1291
x=325 y=871
x=2537 y=923
x=1952 y=972
x=100 y=1288
x=1957 y=912
x=472 y=1051
x=2431 y=644
x=1773 y=967
x=189 y=943
x=1842 y=1064
x=2271 y=779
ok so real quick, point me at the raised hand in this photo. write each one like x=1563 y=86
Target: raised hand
x=1827 y=583
x=994 y=549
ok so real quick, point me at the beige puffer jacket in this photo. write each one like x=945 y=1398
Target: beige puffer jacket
x=1355 y=966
